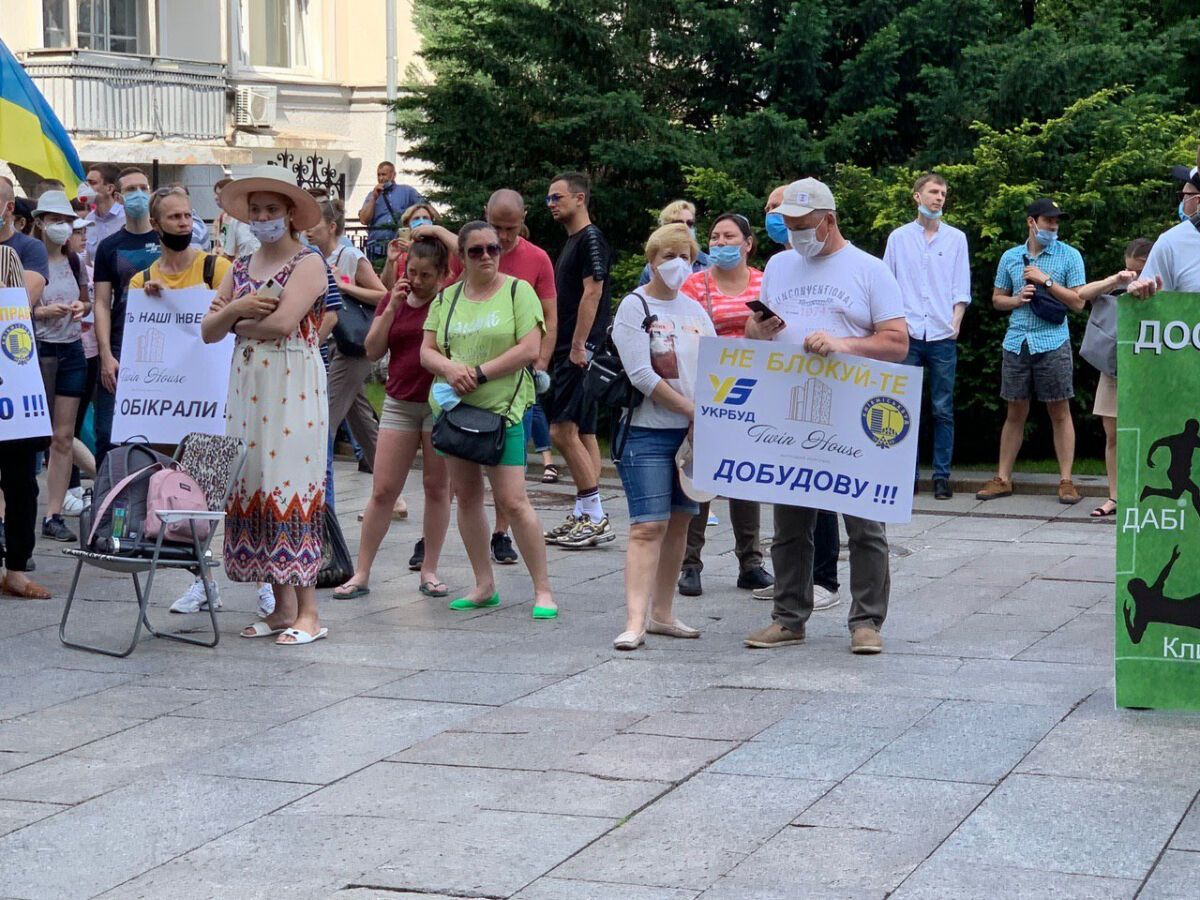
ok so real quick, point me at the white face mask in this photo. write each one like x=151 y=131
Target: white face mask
x=270 y=231
x=58 y=233
x=804 y=241
x=674 y=272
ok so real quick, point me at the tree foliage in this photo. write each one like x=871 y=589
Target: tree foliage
x=720 y=100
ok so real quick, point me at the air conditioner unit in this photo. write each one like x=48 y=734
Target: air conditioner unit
x=254 y=106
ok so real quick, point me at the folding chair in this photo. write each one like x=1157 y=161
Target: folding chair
x=215 y=462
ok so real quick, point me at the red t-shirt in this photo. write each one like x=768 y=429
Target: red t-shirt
x=729 y=314
x=528 y=262
x=407 y=380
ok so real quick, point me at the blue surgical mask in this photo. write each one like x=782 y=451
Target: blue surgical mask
x=137 y=204
x=270 y=231
x=776 y=230
x=1183 y=217
x=927 y=212
x=726 y=257
x=444 y=396
x=417 y=223
x=1046 y=238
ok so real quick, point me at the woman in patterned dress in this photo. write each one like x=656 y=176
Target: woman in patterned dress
x=277 y=402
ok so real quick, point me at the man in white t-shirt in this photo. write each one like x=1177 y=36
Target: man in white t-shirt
x=1174 y=262
x=830 y=297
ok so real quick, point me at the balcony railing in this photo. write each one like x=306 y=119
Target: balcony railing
x=119 y=96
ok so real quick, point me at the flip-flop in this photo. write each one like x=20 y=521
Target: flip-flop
x=299 y=637
x=356 y=590
x=31 y=591
x=550 y=474
x=429 y=588
x=1100 y=512
x=261 y=629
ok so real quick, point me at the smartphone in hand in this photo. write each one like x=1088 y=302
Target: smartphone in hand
x=759 y=307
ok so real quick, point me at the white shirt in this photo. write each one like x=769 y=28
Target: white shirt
x=344 y=262
x=670 y=351
x=234 y=238
x=102 y=227
x=934 y=276
x=846 y=294
x=1176 y=257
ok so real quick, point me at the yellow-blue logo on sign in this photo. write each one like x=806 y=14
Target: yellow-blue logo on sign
x=886 y=421
x=17 y=343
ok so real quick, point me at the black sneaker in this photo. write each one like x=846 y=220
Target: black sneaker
x=754 y=579
x=418 y=558
x=689 y=582
x=942 y=489
x=56 y=529
x=502 y=549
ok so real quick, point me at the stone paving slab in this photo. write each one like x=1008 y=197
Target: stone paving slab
x=423 y=753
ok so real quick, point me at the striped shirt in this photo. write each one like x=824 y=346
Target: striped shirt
x=728 y=314
x=1061 y=262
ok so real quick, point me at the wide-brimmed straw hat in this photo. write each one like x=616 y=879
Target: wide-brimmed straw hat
x=275 y=180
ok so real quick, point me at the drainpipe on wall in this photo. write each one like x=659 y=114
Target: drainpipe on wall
x=390 y=135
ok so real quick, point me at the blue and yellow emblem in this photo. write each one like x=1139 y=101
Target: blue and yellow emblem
x=886 y=421
x=17 y=343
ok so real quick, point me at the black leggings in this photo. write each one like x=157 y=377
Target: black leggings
x=89 y=390
x=18 y=480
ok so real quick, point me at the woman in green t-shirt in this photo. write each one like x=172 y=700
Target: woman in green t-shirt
x=494 y=333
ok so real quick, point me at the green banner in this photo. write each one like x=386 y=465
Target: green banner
x=1158 y=517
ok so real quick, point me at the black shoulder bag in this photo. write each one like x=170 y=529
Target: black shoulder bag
x=607 y=383
x=466 y=431
x=1044 y=304
x=353 y=321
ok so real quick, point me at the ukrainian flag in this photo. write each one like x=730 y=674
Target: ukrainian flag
x=30 y=133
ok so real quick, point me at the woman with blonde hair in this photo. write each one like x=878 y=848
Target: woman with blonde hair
x=416 y=216
x=679 y=212
x=657 y=331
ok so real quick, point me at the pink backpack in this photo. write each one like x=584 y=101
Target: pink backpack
x=174 y=489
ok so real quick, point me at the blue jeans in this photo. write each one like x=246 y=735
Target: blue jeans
x=537 y=429
x=939 y=359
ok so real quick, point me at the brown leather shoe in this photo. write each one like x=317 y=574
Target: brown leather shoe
x=866 y=640
x=1067 y=493
x=996 y=487
x=774 y=635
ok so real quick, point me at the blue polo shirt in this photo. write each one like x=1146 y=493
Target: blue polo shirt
x=385 y=221
x=1059 y=261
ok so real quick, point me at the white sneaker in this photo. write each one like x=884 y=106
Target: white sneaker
x=73 y=503
x=765 y=593
x=266 y=600
x=823 y=599
x=713 y=520
x=195 y=600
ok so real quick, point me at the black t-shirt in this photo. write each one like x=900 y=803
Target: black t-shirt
x=586 y=255
x=119 y=257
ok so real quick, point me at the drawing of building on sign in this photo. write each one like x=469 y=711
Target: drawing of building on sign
x=812 y=402
x=150 y=346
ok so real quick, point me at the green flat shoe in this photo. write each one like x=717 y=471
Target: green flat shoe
x=466 y=603
x=544 y=612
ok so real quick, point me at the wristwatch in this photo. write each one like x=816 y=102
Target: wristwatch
x=1049 y=282
x=479 y=376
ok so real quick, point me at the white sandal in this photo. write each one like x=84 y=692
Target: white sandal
x=299 y=637
x=261 y=629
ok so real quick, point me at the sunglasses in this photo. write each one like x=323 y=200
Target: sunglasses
x=478 y=251
x=554 y=198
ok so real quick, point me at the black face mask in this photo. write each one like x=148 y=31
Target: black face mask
x=176 y=242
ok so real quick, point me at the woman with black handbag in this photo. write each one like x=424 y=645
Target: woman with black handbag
x=348 y=364
x=481 y=336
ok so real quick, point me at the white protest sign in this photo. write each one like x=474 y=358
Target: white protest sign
x=23 y=409
x=170 y=383
x=778 y=425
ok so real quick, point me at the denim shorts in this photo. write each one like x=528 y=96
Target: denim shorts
x=649 y=476
x=64 y=369
x=1050 y=375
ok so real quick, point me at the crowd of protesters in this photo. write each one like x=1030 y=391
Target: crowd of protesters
x=480 y=325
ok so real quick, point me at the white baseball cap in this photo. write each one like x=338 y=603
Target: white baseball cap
x=805 y=196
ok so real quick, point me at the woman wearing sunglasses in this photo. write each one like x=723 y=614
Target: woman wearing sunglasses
x=678 y=212
x=481 y=337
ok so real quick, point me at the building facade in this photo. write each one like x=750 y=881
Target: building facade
x=193 y=88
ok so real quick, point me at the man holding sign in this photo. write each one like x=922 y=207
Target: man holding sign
x=830 y=297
